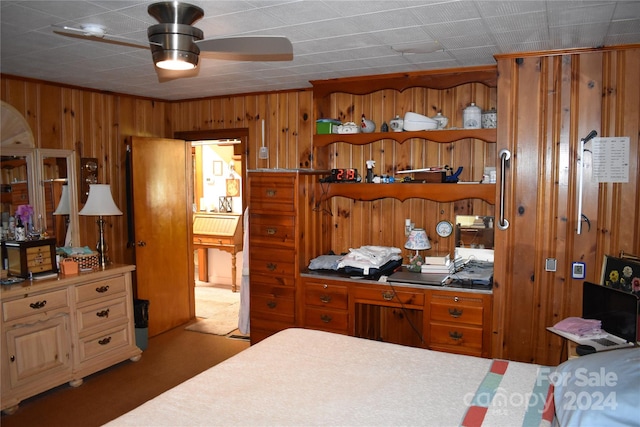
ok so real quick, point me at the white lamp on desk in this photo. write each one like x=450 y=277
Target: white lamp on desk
x=417 y=241
x=100 y=203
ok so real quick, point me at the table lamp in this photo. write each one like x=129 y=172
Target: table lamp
x=100 y=203
x=417 y=241
x=64 y=209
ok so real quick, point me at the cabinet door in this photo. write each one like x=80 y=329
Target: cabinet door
x=38 y=350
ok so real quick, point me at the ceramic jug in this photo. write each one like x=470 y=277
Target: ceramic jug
x=396 y=124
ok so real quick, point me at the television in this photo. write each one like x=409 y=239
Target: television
x=617 y=310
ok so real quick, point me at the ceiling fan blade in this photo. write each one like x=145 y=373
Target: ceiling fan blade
x=247 y=48
x=169 y=75
x=97 y=34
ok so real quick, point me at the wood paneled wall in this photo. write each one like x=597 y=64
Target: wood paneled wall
x=546 y=105
x=381 y=222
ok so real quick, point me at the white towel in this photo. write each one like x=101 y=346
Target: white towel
x=243 y=315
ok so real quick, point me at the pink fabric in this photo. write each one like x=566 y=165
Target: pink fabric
x=579 y=326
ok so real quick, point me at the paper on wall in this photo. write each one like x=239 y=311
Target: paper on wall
x=610 y=159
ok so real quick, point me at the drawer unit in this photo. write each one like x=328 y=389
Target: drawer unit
x=31 y=257
x=459 y=322
x=386 y=295
x=273 y=192
x=39 y=304
x=273 y=301
x=62 y=329
x=467 y=339
x=100 y=289
x=326 y=305
x=103 y=342
x=213 y=240
x=272 y=230
x=272 y=261
x=325 y=294
x=326 y=319
x=102 y=314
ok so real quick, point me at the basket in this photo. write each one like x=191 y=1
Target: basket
x=87 y=261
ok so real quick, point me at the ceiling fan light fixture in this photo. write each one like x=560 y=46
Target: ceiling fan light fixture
x=177 y=61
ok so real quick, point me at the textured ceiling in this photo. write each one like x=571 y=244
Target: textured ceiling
x=331 y=39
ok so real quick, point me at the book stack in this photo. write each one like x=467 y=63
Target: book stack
x=438 y=265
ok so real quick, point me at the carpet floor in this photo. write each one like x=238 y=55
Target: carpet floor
x=217 y=310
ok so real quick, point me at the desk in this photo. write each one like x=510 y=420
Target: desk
x=217 y=231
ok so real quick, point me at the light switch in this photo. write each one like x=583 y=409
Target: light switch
x=550 y=264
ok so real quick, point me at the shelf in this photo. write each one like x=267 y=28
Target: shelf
x=442 y=136
x=448 y=192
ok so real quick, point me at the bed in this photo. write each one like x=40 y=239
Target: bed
x=306 y=377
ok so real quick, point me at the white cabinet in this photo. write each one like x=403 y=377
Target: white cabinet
x=61 y=330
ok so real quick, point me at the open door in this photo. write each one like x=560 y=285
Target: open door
x=161 y=172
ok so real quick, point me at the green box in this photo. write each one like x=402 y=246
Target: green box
x=323 y=128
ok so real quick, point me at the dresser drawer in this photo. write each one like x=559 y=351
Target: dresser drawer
x=35 y=304
x=272 y=300
x=457 y=313
x=324 y=319
x=273 y=193
x=320 y=294
x=104 y=342
x=390 y=296
x=100 y=289
x=272 y=261
x=456 y=335
x=99 y=315
x=272 y=230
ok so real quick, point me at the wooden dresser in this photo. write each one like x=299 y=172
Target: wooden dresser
x=61 y=330
x=282 y=240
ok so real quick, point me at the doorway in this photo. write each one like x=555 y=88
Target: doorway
x=219 y=177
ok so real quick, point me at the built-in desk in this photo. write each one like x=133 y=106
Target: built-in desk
x=217 y=231
x=451 y=319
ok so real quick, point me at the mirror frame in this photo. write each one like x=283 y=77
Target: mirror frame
x=72 y=185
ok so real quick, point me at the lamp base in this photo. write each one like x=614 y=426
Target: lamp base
x=415 y=263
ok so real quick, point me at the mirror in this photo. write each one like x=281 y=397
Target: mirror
x=57 y=171
x=21 y=169
x=475 y=232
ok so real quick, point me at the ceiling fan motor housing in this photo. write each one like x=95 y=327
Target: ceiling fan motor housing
x=174 y=42
x=173 y=38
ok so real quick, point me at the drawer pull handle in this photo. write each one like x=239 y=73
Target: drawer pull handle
x=38 y=304
x=271 y=192
x=271 y=266
x=326 y=318
x=103 y=313
x=102 y=289
x=325 y=299
x=272 y=304
x=105 y=341
x=454 y=312
x=387 y=295
x=271 y=231
x=455 y=335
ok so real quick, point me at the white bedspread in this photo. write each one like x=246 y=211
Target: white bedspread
x=303 y=377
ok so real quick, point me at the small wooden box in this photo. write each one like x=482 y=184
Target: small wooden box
x=31 y=256
x=430 y=177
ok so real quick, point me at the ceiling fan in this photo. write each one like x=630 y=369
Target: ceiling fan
x=176 y=44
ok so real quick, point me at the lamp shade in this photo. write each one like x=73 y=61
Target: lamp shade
x=418 y=240
x=63 y=205
x=100 y=202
